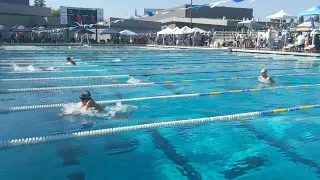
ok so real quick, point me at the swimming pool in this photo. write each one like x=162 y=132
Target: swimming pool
x=166 y=83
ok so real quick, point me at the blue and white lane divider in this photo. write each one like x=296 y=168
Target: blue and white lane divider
x=22 y=90
x=156 y=74
x=66 y=78
x=103 y=132
x=165 y=82
x=28 y=108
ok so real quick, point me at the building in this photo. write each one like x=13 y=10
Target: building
x=220 y=17
x=22 y=2
x=12 y=14
x=137 y=26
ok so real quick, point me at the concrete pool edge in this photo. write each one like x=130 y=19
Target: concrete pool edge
x=228 y=49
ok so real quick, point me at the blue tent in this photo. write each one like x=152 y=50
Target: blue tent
x=312 y=11
x=3 y=28
x=21 y=29
x=40 y=28
x=109 y=31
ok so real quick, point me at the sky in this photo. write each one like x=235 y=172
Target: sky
x=125 y=8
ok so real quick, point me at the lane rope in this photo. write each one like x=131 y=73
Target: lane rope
x=66 y=78
x=154 y=74
x=21 y=90
x=34 y=107
x=78 y=66
x=103 y=132
x=162 y=63
x=124 y=76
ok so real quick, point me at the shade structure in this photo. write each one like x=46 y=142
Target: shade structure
x=312 y=11
x=165 y=31
x=251 y=24
x=185 y=30
x=109 y=31
x=39 y=28
x=21 y=29
x=3 y=28
x=127 y=33
x=198 y=30
x=83 y=31
x=281 y=15
x=176 y=30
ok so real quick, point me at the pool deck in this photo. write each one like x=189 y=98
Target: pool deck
x=276 y=52
x=242 y=50
x=226 y=49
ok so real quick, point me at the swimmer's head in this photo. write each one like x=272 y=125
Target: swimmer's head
x=69 y=59
x=263 y=72
x=85 y=96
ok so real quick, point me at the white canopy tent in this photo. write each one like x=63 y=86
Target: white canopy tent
x=198 y=30
x=176 y=30
x=185 y=30
x=251 y=24
x=281 y=15
x=165 y=31
x=127 y=33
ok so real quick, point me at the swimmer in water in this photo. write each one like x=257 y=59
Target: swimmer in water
x=70 y=61
x=264 y=78
x=88 y=102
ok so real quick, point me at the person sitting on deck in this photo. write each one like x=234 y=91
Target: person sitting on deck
x=88 y=102
x=70 y=61
x=264 y=78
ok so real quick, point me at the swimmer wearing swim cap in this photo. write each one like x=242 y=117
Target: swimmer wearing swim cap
x=264 y=78
x=88 y=102
x=70 y=61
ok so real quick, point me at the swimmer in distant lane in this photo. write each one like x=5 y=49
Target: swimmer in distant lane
x=264 y=78
x=88 y=102
x=70 y=61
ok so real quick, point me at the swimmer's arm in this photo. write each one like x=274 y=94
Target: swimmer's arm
x=271 y=80
x=89 y=105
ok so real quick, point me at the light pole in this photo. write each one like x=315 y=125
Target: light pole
x=191 y=14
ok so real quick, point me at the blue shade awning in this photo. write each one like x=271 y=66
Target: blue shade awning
x=39 y=28
x=109 y=31
x=312 y=11
x=21 y=29
x=83 y=31
x=3 y=28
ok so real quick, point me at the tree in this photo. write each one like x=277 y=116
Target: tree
x=40 y=3
x=301 y=19
x=55 y=12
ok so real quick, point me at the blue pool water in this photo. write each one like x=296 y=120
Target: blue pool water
x=281 y=146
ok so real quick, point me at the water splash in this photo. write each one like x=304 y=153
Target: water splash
x=29 y=68
x=118 y=110
x=133 y=81
x=117 y=60
x=52 y=69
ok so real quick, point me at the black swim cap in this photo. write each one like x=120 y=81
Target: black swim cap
x=85 y=95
